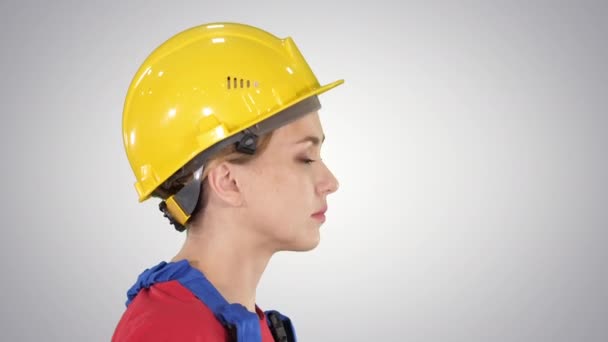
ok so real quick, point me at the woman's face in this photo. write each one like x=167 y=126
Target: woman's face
x=286 y=186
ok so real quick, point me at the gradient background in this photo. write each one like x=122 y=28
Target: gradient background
x=470 y=142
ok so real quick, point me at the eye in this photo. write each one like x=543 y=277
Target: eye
x=307 y=160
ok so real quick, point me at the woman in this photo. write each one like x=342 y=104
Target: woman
x=221 y=123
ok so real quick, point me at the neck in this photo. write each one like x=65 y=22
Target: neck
x=226 y=255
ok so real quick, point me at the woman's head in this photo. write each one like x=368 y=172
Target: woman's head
x=194 y=98
x=280 y=193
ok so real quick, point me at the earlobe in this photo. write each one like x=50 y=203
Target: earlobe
x=223 y=184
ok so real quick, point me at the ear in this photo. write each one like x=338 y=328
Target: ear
x=223 y=184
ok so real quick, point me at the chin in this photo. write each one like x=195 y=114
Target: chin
x=307 y=243
x=300 y=239
x=306 y=248
x=302 y=244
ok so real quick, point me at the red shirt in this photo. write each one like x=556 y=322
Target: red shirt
x=167 y=311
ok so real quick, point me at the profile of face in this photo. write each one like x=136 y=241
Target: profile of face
x=284 y=190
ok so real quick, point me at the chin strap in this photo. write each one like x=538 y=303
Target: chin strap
x=179 y=207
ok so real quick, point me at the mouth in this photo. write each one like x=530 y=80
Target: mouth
x=320 y=215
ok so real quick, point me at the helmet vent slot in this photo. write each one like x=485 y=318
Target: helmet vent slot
x=235 y=83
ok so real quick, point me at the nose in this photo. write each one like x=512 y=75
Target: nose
x=328 y=183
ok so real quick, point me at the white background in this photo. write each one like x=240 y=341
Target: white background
x=470 y=143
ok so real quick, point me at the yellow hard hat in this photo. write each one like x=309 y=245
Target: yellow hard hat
x=204 y=88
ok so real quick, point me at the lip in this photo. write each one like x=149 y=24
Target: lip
x=320 y=215
x=320 y=212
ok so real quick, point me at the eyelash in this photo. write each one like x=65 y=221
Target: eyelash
x=308 y=161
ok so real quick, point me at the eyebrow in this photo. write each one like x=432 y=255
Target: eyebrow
x=311 y=138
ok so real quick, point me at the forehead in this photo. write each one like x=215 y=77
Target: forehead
x=308 y=125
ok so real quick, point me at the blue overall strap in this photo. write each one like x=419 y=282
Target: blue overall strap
x=281 y=327
x=235 y=316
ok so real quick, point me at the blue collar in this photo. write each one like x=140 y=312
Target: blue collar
x=234 y=315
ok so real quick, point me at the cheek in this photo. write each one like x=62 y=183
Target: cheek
x=283 y=187
x=282 y=194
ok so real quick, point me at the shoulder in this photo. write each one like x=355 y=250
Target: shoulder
x=168 y=312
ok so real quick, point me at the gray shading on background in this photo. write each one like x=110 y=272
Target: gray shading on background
x=470 y=143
